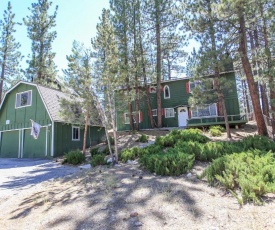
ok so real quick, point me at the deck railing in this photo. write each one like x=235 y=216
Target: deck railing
x=217 y=119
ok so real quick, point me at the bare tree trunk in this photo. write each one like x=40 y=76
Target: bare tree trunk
x=254 y=93
x=254 y=36
x=136 y=73
x=159 y=106
x=113 y=122
x=85 y=133
x=104 y=121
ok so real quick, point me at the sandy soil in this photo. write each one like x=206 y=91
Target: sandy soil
x=127 y=197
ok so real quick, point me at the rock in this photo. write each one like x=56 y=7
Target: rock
x=140 y=177
x=129 y=162
x=109 y=160
x=137 y=224
x=189 y=175
x=133 y=214
x=87 y=166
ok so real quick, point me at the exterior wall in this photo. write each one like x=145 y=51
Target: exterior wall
x=63 y=142
x=231 y=97
x=16 y=140
x=8 y=148
x=20 y=117
x=178 y=97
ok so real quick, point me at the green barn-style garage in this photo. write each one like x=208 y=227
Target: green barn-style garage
x=28 y=101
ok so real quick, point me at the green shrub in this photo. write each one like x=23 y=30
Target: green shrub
x=215 y=132
x=218 y=127
x=181 y=135
x=143 y=138
x=190 y=147
x=151 y=149
x=171 y=163
x=129 y=154
x=194 y=135
x=94 y=151
x=97 y=160
x=257 y=142
x=106 y=151
x=208 y=151
x=214 y=150
x=74 y=157
x=252 y=172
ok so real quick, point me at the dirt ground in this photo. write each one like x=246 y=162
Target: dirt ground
x=127 y=197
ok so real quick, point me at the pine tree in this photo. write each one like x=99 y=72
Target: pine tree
x=241 y=14
x=107 y=73
x=40 y=26
x=122 y=20
x=208 y=30
x=162 y=24
x=9 y=53
x=80 y=109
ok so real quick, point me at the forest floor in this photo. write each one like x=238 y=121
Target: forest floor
x=127 y=197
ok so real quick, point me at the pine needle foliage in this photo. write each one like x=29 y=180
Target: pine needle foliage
x=40 y=24
x=251 y=172
x=9 y=51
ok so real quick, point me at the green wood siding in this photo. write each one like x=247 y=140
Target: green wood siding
x=20 y=117
x=178 y=97
x=63 y=138
x=36 y=148
x=9 y=144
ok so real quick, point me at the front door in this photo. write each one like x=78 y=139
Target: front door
x=182 y=116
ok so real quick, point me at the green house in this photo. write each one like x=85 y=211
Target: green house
x=176 y=112
x=28 y=101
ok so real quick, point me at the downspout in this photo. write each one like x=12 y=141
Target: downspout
x=19 y=144
x=46 y=149
x=52 y=147
x=22 y=147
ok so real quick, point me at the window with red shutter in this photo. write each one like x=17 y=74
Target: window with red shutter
x=187 y=87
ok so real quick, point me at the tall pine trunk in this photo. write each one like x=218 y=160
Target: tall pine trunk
x=145 y=77
x=245 y=98
x=254 y=93
x=136 y=72
x=157 y=24
x=256 y=63
x=269 y=66
x=3 y=66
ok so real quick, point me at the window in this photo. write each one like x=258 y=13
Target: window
x=23 y=99
x=154 y=112
x=205 y=111
x=127 y=118
x=169 y=112
x=153 y=89
x=75 y=133
x=166 y=92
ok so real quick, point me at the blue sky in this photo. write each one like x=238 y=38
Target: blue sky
x=76 y=20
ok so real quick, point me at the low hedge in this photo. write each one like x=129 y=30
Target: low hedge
x=170 y=163
x=251 y=172
x=74 y=157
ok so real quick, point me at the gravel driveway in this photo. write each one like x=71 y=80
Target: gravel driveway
x=20 y=174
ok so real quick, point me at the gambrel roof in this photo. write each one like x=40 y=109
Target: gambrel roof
x=50 y=98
